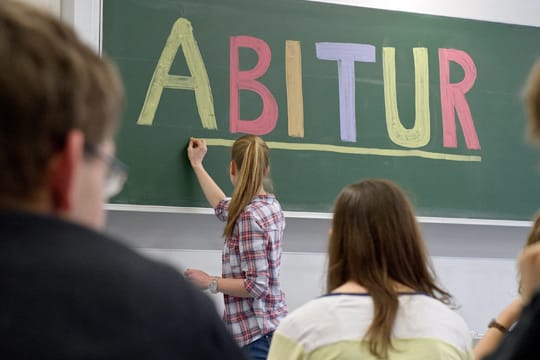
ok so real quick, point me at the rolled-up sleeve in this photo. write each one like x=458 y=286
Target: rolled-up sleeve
x=222 y=209
x=253 y=255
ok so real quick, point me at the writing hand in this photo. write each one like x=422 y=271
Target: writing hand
x=196 y=151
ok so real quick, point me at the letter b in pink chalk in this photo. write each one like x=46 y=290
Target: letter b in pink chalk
x=246 y=80
x=453 y=96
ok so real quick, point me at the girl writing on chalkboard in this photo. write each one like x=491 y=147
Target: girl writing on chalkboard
x=254 y=224
x=383 y=300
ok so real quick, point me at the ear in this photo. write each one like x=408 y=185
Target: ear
x=232 y=168
x=63 y=169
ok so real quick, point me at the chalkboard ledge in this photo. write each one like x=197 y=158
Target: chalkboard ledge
x=313 y=215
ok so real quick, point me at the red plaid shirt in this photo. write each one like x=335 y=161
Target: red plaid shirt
x=253 y=253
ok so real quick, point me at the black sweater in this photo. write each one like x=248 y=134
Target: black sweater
x=67 y=292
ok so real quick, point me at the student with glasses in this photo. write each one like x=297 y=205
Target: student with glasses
x=67 y=291
x=117 y=171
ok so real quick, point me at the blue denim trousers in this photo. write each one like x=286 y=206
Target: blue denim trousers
x=258 y=350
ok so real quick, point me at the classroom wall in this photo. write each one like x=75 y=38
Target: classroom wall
x=50 y=5
x=85 y=16
x=474 y=261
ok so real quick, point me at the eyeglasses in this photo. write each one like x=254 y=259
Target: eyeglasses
x=117 y=172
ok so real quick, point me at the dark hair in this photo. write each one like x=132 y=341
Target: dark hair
x=251 y=157
x=50 y=83
x=375 y=242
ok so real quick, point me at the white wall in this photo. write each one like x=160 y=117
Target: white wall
x=303 y=278
x=476 y=263
x=50 y=5
x=522 y=12
x=85 y=16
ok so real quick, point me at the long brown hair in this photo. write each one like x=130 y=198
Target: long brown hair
x=375 y=242
x=251 y=157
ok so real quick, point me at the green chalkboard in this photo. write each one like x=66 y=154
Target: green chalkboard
x=324 y=135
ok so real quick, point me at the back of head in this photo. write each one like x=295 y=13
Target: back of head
x=375 y=242
x=376 y=236
x=532 y=101
x=534 y=234
x=50 y=83
x=251 y=157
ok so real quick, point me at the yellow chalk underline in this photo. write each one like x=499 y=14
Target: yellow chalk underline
x=354 y=150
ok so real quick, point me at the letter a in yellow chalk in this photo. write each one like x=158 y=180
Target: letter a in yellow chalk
x=181 y=37
x=419 y=135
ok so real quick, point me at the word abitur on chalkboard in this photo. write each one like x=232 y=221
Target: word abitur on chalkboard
x=339 y=93
x=453 y=98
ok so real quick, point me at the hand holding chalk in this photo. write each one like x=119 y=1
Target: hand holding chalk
x=196 y=151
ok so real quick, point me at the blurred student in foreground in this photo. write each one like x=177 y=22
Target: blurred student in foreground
x=68 y=291
x=522 y=341
x=383 y=300
x=507 y=318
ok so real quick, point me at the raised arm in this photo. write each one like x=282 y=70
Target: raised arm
x=196 y=151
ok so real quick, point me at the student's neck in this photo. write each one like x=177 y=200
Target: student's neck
x=350 y=287
x=355 y=288
x=39 y=204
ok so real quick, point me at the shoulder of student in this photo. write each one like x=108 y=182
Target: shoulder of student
x=264 y=211
x=169 y=306
x=328 y=319
x=106 y=294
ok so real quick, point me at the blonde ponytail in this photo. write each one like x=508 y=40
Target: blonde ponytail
x=251 y=158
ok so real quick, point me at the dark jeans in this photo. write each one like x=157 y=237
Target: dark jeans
x=258 y=350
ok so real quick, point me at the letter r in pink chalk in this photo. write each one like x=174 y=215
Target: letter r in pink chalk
x=246 y=80
x=453 y=96
x=346 y=54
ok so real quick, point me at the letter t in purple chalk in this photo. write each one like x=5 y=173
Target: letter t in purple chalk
x=346 y=54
